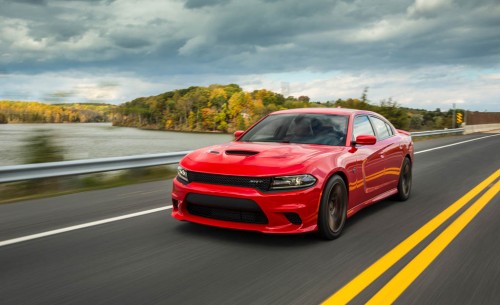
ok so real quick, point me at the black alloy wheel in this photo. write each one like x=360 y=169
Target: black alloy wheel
x=333 y=208
x=404 y=185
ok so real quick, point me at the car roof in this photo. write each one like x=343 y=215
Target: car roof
x=338 y=111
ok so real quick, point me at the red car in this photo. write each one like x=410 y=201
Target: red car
x=296 y=171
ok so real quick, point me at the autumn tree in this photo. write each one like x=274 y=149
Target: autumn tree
x=3 y=119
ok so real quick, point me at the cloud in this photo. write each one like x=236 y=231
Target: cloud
x=203 y=3
x=32 y=2
x=225 y=39
x=194 y=45
x=428 y=7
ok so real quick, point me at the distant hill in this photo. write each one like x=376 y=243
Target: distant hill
x=216 y=108
x=225 y=108
x=36 y=112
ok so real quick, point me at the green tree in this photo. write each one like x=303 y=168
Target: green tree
x=364 y=96
x=391 y=110
x=240 y=123
x=416 y=121
x=221 y=119
x=192 y=120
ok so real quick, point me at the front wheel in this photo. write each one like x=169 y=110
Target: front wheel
x=333 y=208
x=404 y=185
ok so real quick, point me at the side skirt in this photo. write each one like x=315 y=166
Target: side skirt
x=371 y=201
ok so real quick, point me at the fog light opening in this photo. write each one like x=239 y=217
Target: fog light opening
x=294 y=218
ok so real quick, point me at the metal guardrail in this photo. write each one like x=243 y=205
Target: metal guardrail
x=437 y=132
x=77 y=167
x=65 y=168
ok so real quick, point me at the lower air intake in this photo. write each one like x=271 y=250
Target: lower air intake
x=225 y=208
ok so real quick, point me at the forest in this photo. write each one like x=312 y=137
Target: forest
x=36 y=112
x=216 y=108
x=226 y=108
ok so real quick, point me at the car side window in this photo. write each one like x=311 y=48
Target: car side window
x=363 y=126
x=389 y=128
x=381 y=128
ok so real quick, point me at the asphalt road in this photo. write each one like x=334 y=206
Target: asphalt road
x=154 y=259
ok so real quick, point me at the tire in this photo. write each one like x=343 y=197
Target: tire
x=404 y=184
x=332 y=212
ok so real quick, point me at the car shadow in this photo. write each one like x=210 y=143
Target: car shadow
x=198 y=231
x=369 y=211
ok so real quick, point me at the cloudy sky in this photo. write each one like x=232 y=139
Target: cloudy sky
x=421 y=53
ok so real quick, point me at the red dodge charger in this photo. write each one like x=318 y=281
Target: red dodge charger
x=296 y=171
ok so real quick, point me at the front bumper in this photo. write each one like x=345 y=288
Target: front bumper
x=280 y=208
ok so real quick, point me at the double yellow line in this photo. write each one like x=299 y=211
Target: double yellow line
x=398 y=284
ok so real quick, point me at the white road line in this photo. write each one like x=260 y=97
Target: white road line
x=453 y=144
x=80 y=226
x=108 y=220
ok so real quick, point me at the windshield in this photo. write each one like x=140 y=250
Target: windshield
x=325 y=129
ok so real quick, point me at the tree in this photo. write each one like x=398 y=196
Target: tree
x=416 y=121
x=34 y=112
x=364 y=97
x=208 y=119
x=304 y=98
x=3 y=119
x=227 y=107
x=221 y=119
x=236 y=104
x=191 y=120
x=391 y=110
x=218 y=97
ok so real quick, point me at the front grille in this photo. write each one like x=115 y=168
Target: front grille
x=250 y=182
x=225 y=208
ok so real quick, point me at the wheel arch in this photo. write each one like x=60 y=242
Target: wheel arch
x=320 y=219
x=343 y=175
x=409 y=157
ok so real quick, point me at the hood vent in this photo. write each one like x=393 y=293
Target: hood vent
x=241 y=152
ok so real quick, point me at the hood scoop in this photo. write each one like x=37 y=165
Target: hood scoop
x=241 y=152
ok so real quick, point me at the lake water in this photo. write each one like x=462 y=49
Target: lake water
x=97 y=140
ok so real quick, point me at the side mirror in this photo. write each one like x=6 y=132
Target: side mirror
x=238 y=134
x=365 y=139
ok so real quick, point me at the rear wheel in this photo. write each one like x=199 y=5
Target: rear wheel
x=333 y=208
x=404 y=185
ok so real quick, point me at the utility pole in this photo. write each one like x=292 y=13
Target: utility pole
x=453 y=117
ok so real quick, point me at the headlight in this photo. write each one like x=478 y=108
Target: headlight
x=291 y=182
x=182 y=173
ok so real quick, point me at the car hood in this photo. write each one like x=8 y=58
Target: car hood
x=255 y=159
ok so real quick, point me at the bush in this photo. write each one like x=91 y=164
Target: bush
x=40 y=147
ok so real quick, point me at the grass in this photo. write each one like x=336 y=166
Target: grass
x=423 y=138
x=50 y=187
